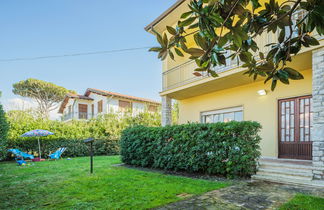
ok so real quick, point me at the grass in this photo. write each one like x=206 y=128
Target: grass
x=67 y=184
x=304 y=202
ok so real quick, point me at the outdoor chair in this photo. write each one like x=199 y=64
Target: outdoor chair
x=57 y=154
x=20 y=155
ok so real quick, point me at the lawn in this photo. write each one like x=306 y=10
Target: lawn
x=67 y=184
x=304 y=202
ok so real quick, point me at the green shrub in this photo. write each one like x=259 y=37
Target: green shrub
x=4 y=127
x=75 y=147
x=229 y=149
x=105 y=129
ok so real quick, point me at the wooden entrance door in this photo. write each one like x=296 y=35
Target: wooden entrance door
x=295 y=121
x=83 y=111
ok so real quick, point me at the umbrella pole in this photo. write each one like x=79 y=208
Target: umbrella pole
x=39 y=150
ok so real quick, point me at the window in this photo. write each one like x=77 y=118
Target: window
x=124 y=105
x=92 y=110
x=295 y=119
x=222 y=115
x=152 y=108
x=100 y=106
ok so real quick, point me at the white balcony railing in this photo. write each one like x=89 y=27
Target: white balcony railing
x=77 y=116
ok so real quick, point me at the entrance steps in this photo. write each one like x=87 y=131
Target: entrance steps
x=287 y=171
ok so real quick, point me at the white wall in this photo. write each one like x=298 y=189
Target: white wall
x=96 y=99
x=110 y=105
x=138 y=107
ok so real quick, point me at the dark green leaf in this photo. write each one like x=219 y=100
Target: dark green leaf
x=273 y=84
x=200 y=41
x=282 y=35
x=222 y=41
x=213 y=74
x=186 y=14
x=221 y=59
x=165 y=40
x=196 y=52
x=311 y=40
x=286 y=8
x=293 y=74
x=178 y=52
x=245 y=57
x=266 y=67
x=171 y=30
x=155 y=49
x=187 y=22
x=171 y=55
x=200 y=69
x=255 y=4
x=284 y=80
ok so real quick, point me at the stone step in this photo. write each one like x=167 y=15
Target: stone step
x=285 y=180
x=284 y=176
x=285 y=171
x=268 y=164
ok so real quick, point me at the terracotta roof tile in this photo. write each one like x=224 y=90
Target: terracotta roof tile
x=72 y=95
x=108 y=93
x=101 y=92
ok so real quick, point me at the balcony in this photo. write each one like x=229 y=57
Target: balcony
x=83 y=115
x=77 y=116
x=181 y=76
x=67 y=117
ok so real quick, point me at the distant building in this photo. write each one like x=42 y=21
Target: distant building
x=98 y=102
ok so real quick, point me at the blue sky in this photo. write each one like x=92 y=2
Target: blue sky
x=44 y=27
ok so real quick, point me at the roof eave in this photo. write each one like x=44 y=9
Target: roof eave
x=103 y=93
x=149 y=27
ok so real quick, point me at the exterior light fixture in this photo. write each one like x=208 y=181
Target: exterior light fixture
x=262 y=92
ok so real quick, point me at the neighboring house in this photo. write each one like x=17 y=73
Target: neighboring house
x=292 y=116
x=98 y=102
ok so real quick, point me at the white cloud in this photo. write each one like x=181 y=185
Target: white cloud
x=26 y=104
x=19 y=104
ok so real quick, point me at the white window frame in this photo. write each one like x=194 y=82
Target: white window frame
x=221 y=111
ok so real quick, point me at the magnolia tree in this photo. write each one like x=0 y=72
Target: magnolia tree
x=219 y=26
x=46 y=94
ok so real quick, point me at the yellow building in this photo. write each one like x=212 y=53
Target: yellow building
x=292 y=116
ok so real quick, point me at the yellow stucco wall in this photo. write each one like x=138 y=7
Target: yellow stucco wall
x=258 y=108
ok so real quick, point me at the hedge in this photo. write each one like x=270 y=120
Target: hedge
x=106 y=129
x=4 y=127
x=229 y=149
x=75 y=147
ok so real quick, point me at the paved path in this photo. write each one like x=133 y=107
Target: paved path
x=245 y=195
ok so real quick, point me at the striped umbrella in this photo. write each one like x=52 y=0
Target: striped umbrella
x=37 y=133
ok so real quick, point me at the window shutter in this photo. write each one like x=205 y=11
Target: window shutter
x=124 y=105
x=100 y=106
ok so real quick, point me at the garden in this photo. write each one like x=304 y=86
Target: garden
x=137 y=165
x=67 y=184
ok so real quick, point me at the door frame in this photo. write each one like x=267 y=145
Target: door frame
x=296 y=131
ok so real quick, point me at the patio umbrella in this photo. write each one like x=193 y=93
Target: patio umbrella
x=37 y=133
